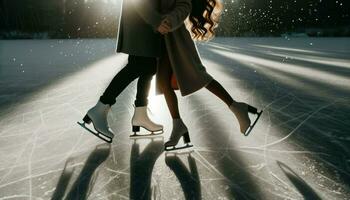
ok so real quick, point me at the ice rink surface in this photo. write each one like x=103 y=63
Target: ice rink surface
x=300 y=149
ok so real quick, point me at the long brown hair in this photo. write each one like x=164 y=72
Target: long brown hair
x=204 y=18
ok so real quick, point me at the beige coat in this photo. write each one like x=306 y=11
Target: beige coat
x=183 y=55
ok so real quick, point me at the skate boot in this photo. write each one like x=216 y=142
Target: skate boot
x=179 y=130
x=241 y=111
x=141 y=119
x=98 y=116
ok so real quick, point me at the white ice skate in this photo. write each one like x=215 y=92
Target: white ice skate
x=241 y=111
x=179 y=130
x=141 y=119
x=98 y=116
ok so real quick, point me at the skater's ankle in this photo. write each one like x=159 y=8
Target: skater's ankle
x=177 y=119
x=234 y=104
x=103 y=101
x=178 y=124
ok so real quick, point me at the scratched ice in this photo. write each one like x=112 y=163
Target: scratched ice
x=299 y=149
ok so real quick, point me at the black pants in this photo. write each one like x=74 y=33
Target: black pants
x=138 y=67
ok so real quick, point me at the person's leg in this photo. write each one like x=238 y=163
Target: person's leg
x=140 y=117
x=179 y=127
x=240 y=109
x=120 y=81
x=144 y=84
x=165 y=73
x=219 y=91
x=98 y=114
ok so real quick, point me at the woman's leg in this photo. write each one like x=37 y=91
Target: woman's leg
x=179 y=128
x=165 y=73
x=240 y=109
x=217 y=89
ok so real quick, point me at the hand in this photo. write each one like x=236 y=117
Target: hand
x=164 y=27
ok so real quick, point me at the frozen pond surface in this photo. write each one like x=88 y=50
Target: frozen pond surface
x=299 y=149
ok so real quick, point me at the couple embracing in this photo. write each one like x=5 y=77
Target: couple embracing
x=154 y=35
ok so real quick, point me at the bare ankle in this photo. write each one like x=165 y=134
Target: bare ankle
x=233 y=104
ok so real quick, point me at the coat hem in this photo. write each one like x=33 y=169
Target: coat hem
x=197 y=89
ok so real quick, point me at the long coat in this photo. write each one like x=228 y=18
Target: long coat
x=185 y=61
x=137 y=33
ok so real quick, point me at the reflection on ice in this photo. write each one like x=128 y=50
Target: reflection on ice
x=300 y=71
x=141 y=168
x=288 y=49
x=298 y=150
x=83 y=184
x=189 y=178
x=318 y=60
x=299 y=183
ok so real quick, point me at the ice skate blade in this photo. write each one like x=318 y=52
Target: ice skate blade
x=176 y=153
x=136 y=130
x=99 y=135
x=149 y=135
x=252 y=126
x=174 y=148
x=156 y=132
x=153 y=138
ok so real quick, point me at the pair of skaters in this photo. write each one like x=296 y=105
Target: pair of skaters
x=154 y=34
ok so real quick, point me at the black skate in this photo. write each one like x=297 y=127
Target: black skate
x=254 y=111
x=171 y=144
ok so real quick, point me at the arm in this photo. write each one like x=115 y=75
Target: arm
x=147 y=13
x=178 y=15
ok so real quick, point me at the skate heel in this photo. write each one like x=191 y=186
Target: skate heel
x=87 y=119
x=135 y=129
x=186 y=138
x=252 y=109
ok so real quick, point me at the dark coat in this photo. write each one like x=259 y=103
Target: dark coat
x=185 y=61
x=138 y=23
